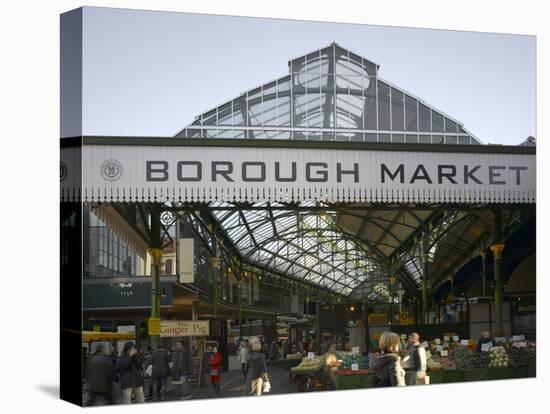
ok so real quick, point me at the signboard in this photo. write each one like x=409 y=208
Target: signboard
x=138 y=173
x=124 y=293
x=464 y=342
x=154 y=326
x=187 y=260
x=444 y=353
x=485 y=347
x=97 y=328
x=171 y=329
x=310 y=355
x=355 y=350
x=518 y=338
x=456 y=338
x=500 y=339
x=355 y=366
x=437 y=341
x=445 y=338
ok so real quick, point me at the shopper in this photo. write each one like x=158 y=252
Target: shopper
x=243 y=355
x=331 y=366
x=415 y=371
x=387 y=366
x=286 y=348
x=161 y=369
x=484 y=340
x=256 y=370
x=129 y=368
x=100 y=375
x=215 y=362
x=273 y=352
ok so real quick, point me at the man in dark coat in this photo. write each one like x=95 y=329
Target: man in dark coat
x=100 y=375
x=161 y=370
x=129 y=367
x=484 y=340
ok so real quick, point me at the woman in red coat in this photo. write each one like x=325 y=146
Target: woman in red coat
x=215 y=362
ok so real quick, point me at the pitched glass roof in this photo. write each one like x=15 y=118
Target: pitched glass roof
x=330 y=94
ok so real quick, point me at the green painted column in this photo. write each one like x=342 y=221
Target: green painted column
x=497 y=249
x=483 y=274
x=156 y=254
x=215 y=277
x=424 y=260
x=240 y=308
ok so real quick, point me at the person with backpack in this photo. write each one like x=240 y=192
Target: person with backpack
x=161 y=370
x=129 y=368
x=387 y=366
x=100 y=375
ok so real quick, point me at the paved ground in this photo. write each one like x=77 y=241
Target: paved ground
x=232 y=385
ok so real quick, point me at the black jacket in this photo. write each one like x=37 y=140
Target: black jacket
x=388 y=370
x=100 y=373
x=255 y=365
x=160 y=360
x=130 y=369
x=416 y=363
x=483 y=341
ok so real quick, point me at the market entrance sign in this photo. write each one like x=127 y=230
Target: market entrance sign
x=204 y=174
x=184 y=328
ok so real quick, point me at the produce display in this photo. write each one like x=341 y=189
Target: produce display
x=498 y=357
x=520 y=357
x=309 y=365
x=447 y=364
x=348 y=359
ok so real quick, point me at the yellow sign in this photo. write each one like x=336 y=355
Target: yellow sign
x=97 y=328
x=184 y=328
x=154 y=326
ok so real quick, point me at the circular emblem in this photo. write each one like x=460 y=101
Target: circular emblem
x=166 y=218
x=111 y=170
x=63 y=171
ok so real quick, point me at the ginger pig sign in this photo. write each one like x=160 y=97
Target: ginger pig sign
x=170 y=329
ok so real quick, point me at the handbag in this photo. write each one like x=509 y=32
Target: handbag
x=266 y=386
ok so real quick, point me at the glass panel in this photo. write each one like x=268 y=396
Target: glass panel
x=328 y=136
x=314 y=115
x=370 y=105
x=327 y=106
x=210 y=118
x=283 y=86
x=437 y=139
x=300 y=110
x=464 y=140
x=383 y=106
x=297 y=65
x=283 y=110
x=410 y=113
x=437 y=122
x=357 y=137
x=225 y=133
x=210 y=133
x=450 y=126
x=314 y=136
x=239 y=111
x=239 y=133
x=371 y=137
x=343 y=136
x=193 y=133
x=397 y=113
x=398 y=138
x=384 y=137
x=343 y=107
x=424 y=118
x=451 y=139
x=425 y=139
x=270 y=111
x=225 y=115
x=411 y=139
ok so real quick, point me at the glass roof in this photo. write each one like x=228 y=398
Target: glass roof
x=298 y=243
x=330 y=94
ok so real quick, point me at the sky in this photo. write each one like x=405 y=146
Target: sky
x=148 y=73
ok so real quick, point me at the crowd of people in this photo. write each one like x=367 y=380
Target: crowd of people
x=108 y=375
